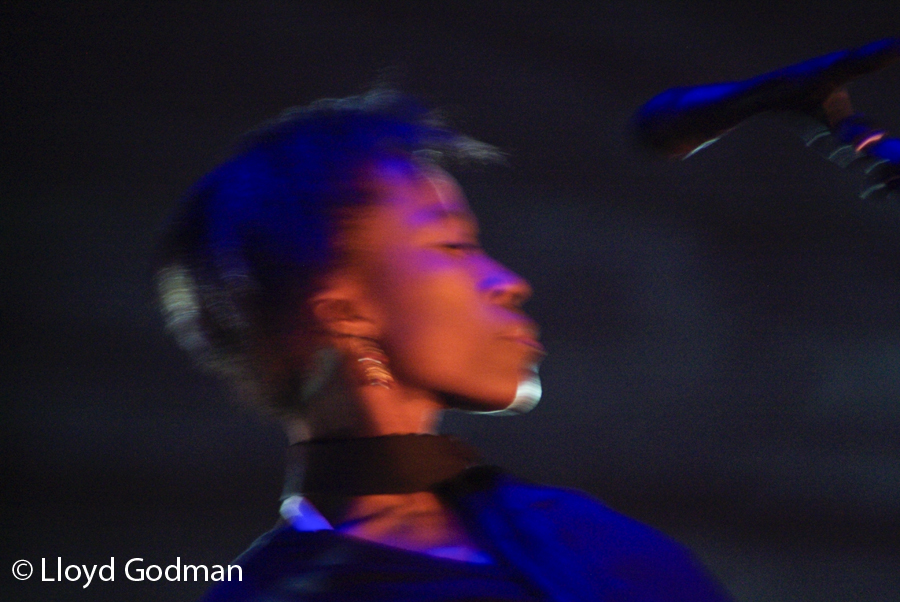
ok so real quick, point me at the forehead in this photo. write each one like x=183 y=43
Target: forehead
x=416 y=196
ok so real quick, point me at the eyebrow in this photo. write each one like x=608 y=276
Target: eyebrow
x=438 y=213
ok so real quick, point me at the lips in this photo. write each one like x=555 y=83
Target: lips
x=533 y=344
x=527 y=335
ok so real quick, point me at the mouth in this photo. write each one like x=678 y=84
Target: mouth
x=533 y=344
x=527 y=335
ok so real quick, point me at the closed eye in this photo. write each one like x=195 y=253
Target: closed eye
x=462 y=247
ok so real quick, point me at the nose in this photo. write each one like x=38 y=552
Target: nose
x=505 y=287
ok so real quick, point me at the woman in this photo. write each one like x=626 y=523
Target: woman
x=331 y=270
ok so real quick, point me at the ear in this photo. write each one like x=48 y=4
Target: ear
x=341 y=308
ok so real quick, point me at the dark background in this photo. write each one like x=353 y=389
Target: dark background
x=724 y=332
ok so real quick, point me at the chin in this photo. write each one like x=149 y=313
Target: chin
x=528 y=394
x=521 y=400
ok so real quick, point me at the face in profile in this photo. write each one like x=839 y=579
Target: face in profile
x=448 y=315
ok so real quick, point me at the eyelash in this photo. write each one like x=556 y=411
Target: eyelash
x=462 y=246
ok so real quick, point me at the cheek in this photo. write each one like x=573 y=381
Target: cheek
x=438 y=333
x=432 y=311
x=429 y=306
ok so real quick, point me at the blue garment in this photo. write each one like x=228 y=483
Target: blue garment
x=548 y=544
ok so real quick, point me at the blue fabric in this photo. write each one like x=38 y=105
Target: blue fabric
x=287 y=565
x=573 y=548
x=548 y=544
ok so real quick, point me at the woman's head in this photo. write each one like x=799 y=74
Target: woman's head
x=308 y=223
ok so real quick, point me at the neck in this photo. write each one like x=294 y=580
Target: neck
x=340 y=409
x=378 y=465
x=334 y=472
x=383 y=489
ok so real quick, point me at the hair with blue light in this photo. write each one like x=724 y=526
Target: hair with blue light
x=249 y=240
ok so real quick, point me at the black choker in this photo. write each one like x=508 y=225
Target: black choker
x=381 y=465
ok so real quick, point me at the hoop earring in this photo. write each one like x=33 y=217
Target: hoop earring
x=374 y=363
